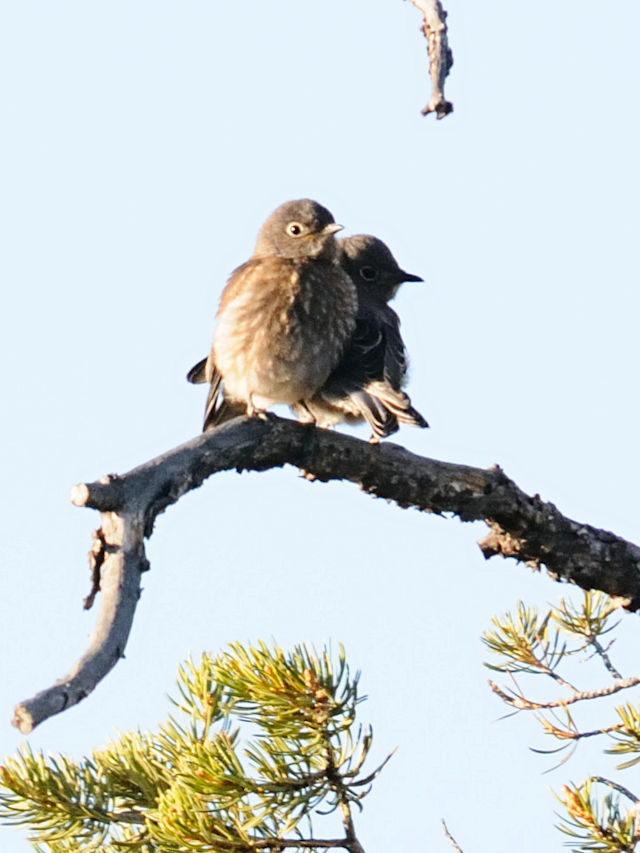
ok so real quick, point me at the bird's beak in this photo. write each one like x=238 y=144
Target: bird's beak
x=408 y=276
x=331 y=228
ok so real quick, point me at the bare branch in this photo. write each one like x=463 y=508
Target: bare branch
x=122 y=562
x=575 y=734
x=523 y=704
x=282 y=843
x=450 y=837
x=603 y=654
x=616 y=787
x=522 y=527
x=440 y=55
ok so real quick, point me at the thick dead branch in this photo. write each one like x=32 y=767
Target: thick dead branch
x=522 y=527
x=440 y=55
x=122 y=562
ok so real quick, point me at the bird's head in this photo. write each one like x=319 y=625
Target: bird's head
x=372 y=267
x=298 y=229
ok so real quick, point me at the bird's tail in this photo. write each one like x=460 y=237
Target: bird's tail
x=377 y=414
x=225 y=411
x=198 y=372
x=220 y=408
x=397 y=402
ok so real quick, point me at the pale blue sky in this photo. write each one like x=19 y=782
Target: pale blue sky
x=144 y=143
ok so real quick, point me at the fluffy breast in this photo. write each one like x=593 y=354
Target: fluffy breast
x=282 y=327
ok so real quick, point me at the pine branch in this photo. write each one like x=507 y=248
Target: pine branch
x=198 y=782
x=520 y=702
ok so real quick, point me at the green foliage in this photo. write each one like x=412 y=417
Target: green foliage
x=196 y=784
x=590 y=621
x=527 y=643
x=599 y=823
x=627 y=735
x=536 y=645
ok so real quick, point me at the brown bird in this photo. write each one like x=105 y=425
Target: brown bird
x=367 y=383
x=284 y=320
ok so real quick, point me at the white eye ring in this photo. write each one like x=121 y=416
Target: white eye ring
x=295 y=229
x=368 y=273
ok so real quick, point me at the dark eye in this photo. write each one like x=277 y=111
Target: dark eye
x=368 y=273
x=294 y=229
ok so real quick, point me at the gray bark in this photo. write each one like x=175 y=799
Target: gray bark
x=440 y=55
x=520 y=526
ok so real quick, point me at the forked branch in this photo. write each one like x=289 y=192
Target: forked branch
x=526 y=528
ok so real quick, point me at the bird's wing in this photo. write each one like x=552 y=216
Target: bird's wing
x=362 y=363
x=364 y=357
x=396 y=366
x=368 y=381
x=396 y=359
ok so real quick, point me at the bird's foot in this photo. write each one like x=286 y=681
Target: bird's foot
x=254 y=412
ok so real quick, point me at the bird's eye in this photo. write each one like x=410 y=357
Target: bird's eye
x=368 y=273
x=294 y=229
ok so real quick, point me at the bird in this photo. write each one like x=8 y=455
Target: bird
x=367 y=383
x=284 y=320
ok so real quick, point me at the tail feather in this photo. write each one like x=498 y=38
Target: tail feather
x=197 y=374
x=378 y=403
x=220 y=408
x=397 y=402
x=379 y=417
x=225 y=411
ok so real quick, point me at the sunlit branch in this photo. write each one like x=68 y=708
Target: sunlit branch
x=523 y=704
x=440 y=55
x=604 y=657
x=450 y=837
x=521 y=526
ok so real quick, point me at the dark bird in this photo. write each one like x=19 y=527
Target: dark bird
x=284 y=319
x=367 y=383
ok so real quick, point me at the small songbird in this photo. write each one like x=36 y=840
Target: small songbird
x=284 y=320
x=367 y=383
